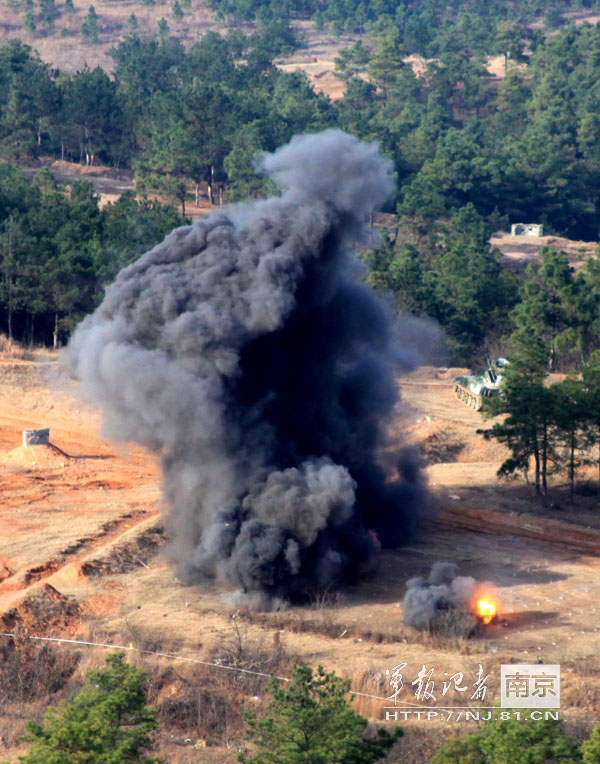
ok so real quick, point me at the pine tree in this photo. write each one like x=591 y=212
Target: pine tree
x=525 y=399
x=335 y=28
x=17 y=137
x=107 y=722
x=29 y=20
x=546 y=297
x=310 y=720
x=569 y=417
x=518 y=742
x=591 y=747
x=163 y=30
x=49 y=13
x=591 y=391
x=14 y=245
x=177 y=11
x=89 y=28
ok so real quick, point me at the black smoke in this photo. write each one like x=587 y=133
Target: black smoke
x=248 y=352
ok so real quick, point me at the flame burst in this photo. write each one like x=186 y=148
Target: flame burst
x=486 y=610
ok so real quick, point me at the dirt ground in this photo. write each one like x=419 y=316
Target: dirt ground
x=519 y=251
x=110 y=183
x=68 y=51
x=81 y=539
x=316 y=58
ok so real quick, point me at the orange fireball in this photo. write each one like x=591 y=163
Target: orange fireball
x=486 y=610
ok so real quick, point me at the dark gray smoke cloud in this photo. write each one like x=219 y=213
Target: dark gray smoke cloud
x=246 y=350
x=427 y=599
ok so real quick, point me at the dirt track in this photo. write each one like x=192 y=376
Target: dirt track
x=519 y=251
x=60 y=504
x=81 y=541
x=62 y=508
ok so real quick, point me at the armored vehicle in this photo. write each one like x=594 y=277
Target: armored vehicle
x=472 y=389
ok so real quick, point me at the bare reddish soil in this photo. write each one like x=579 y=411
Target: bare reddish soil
x=81 y=555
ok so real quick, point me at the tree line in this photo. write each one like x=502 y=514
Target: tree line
x=471 y=156
x=165 y=112
x=427 y=25
x=548 y=428
x=523 y=148
x=453 y=276
x=58 y=249
x=309 y=719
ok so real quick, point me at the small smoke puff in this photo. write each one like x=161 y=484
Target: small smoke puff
x=248 y=352
x=442 y=573
x=426 y=600
x=424 y=603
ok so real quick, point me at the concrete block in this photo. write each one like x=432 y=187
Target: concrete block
x=36 y=437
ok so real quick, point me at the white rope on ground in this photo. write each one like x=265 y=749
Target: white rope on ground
x=172 y=656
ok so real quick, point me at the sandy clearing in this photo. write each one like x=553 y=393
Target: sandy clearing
x=68 y=532
x=519 y=251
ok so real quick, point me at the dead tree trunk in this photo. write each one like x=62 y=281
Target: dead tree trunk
x=55 y=332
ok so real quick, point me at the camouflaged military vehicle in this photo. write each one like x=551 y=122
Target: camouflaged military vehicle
x=472 y=389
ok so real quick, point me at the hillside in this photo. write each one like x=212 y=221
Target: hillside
x=519 y=251
x=69 y=51
x=93 y=547
x=85 y=560
x=65 y=47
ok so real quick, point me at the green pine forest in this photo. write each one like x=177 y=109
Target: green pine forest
x=472 y=153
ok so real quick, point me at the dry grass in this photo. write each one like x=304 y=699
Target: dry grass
x=451 y=630
x=13 y=717
x=442 y=447
x=32 y=677
x=580 y=685
x=418 y=745
x=199 y=705
x=201 y=708
x=15 y=351
x=325 y=618
x=240 y=651
x=372 y=681
x=30 y=670
x=69 y=50
x=327 y=605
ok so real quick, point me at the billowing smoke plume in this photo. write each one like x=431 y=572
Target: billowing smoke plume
x=426 y=600
x=246 y=350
